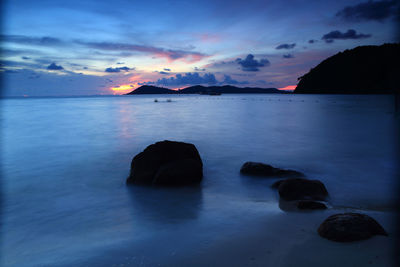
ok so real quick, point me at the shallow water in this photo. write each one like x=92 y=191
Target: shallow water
x=65 y=161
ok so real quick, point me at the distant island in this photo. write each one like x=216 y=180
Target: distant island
x=199 y=89
x=362 y=70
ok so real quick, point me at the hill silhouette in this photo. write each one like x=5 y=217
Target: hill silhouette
x=149 y=89
x=199 y=89
x=362 y=70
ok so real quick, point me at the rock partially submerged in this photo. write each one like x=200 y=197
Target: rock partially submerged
x=301 y=189
x=167 y=163
x=310 y=205
x=261 y=169
x=300 y=205
x=347 y=227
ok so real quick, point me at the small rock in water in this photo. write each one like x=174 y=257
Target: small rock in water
x=155 y=100
x=261 y=169
x=301 y=189
x=310 y=205
x=347 y=227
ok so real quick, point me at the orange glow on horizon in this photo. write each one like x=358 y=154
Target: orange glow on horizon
x=288 y=88
x=123 y=89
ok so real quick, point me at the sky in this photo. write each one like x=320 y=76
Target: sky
x=56 y=48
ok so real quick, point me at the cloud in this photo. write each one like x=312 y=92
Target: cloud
x=370 y=10
x=186 y=79
x=312 y=41
x=119 y=69
x=286 y=46
x=163 y=72
x=25 y=58
x=229 y=80
x=169 y=54
x=199 y=69
x=167 y=69
x=39 y=83
x=22 y=39
x=251 y=64
x=350 y=34
x=53 y=66
x=19 y=64
x=288 y=56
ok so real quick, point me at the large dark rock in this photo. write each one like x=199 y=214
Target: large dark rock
x=301 y=189
x=167 y=163
x=261 y=169
x=347 y=227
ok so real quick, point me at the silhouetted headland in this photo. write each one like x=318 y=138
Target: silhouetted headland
x=199 y=89
x=362 y=70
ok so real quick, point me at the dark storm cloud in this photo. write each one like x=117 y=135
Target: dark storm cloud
x=251 y=64
x=370 y=10
x=22 y=39
x=350 y=34
x=111 y=70
x=54 y=66
x=286 y=46
x=288 y=56
x=155 y=51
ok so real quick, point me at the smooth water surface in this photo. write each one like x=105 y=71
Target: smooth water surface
x=65 y=162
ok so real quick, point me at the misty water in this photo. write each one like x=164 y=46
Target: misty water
x=65 y=162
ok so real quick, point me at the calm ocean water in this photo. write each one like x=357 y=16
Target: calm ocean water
x=65 y=161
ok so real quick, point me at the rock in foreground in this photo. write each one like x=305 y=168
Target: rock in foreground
x=167 y=163
x=349 y=227
x=301 y=189
x=261 y=169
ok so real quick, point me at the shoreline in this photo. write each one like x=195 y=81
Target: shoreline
x=280 y=239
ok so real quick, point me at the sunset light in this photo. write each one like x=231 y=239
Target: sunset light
x=288 y=88
x=122 y=89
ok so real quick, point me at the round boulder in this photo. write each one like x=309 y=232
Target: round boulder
x=261 y=169
x=167 y=163
x=301 y=189
x=347 y=227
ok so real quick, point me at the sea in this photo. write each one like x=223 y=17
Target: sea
x=65 y=160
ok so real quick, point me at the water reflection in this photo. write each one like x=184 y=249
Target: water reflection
x=160 y=205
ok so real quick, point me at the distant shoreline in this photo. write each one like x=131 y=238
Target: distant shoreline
x=205 y=90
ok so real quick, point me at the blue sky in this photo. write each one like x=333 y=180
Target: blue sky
x=108 y=47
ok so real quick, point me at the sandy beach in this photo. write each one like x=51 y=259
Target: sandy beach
x=279 y=239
